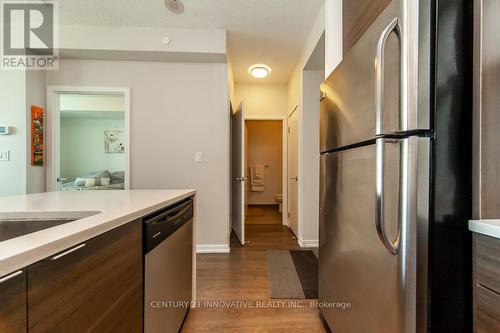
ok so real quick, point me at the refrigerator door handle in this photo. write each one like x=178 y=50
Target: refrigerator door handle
x=379 y=73
x=392 y=246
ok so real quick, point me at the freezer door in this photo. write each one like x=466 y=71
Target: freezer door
x=361 y=98
x=366 y=257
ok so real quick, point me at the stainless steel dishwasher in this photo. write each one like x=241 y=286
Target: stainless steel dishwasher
x=168 y=260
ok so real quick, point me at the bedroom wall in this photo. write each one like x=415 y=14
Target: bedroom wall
x=82 y=147
x=177 y=109
x=265 y=146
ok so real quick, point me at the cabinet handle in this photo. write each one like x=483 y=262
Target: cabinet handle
x=60 y=255
x=10 y=276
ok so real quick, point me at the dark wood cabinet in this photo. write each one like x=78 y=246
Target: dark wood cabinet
x=383 y=4
x=357 y=17
x=13 y=302
x=486 y=284
x=488 y=311
x=93 y=287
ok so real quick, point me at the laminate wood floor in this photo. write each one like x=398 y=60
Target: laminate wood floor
x=263 y=214
x=242 y=276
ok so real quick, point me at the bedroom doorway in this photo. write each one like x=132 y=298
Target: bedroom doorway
x=265 y=171
x=89 y=139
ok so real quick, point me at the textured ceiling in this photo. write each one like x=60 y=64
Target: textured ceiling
x=259 y=31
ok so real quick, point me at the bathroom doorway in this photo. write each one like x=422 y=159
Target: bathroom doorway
x=265 y=171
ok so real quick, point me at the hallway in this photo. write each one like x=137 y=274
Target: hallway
x=242 y=276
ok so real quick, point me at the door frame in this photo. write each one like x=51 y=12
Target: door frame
x=284 y=121
x=53 y=134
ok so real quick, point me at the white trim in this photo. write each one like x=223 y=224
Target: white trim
x=308 y=242
x=215 y=248
x=53 y=126
x=284 y=121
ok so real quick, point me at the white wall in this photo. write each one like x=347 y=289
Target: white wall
x=309 y=159
x=177 y=109
x=262 y=99
x=333 y=35
x=303 y=90
x=13 y=113
x=82 y=147
x=19 y=90
x=142 y=43
x=92 y=102
x=265 y=146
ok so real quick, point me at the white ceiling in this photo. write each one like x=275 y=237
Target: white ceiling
x=259 y=31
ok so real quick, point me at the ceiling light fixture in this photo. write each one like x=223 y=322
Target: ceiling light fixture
x=175 y=6
x=259 y=71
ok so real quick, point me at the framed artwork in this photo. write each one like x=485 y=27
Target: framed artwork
x=37 y=146
x=113 y=141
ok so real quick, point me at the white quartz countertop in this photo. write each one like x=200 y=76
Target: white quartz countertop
x=110 y=208
x=486 y=227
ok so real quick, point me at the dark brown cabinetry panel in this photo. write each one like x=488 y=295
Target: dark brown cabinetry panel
x=488 y=311
x=487 y=261
x=486 y=110
x=13 y=303
x=383 y=4
x=95 y=288
x=357 y=17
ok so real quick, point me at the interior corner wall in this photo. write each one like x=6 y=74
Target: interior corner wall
x=13 y=114
x=309 y=161
x=262 y=99
x=35 y=95
x=177 y=109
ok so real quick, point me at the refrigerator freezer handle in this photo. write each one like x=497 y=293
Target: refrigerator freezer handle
x=379 y=72
x=392 y=246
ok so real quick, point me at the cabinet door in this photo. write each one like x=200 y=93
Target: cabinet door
x=487 y=311
x=13 y=302
x=357 y=16
x=93 y=287
x=383 y=4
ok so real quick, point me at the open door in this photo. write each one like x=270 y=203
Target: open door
x=293 y=171
x=238 y=172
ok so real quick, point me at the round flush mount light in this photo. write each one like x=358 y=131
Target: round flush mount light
x=259 y=71
x=175 y=6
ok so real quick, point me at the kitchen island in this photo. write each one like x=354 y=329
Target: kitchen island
x=87 y=269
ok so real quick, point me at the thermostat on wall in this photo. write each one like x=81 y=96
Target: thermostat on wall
x=4 y=130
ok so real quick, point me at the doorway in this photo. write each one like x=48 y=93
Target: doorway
x=265 y=171
x=89 y=139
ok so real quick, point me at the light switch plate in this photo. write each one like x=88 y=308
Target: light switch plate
x=199 y=156
x=5 y=155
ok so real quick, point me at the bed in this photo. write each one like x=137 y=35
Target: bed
x=97 y=180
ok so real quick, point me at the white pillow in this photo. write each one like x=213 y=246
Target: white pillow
x=89 y=182
x=105 y=181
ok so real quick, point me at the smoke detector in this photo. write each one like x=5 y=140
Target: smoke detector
x=175 y=6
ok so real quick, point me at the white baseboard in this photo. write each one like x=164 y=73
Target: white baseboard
x=215 y=248
x=308 y=242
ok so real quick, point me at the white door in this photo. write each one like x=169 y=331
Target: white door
x=238 y=172
x=293 y=171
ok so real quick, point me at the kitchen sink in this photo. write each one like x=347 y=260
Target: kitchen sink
x=19 y=224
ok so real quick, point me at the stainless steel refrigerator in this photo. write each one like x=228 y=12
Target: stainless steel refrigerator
x=395 y=192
